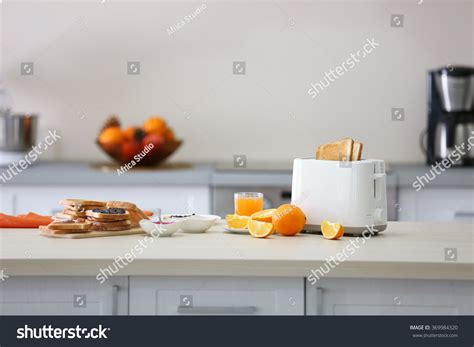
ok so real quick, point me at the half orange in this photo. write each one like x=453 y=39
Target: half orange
x=332 y=231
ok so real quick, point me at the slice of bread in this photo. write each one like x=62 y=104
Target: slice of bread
x=121 y=204
x=80 y=202
x=136 y=214
x=114 y=223
x=75 y=214
x=62 y=216
x=104 y=227
x=69 y=226
x=339 y=150
x=357 y=150
x=45 y=229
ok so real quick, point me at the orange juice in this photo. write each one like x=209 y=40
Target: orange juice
x=248 y=203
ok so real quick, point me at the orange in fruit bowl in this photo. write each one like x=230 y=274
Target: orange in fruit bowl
x=169 y=135
x=264 y=215
x=332 y=231
x=155 y=125
x=129 y=133
x=110 y=138
x=288 y=220
x=260 y=229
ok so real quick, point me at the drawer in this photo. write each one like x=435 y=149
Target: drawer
x=390 y=297
x=42 y=295
x=216 y=296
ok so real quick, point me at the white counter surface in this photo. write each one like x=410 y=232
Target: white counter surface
x=404 y=250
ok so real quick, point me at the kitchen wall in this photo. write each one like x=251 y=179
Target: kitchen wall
x=80 y=53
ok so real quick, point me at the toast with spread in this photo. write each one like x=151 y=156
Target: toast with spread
x=77 y=208
x=136 y=215
x=108 y=214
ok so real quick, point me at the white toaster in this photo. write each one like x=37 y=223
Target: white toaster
x=353 y=193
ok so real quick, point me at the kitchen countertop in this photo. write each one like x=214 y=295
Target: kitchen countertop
x=82 y=173
x=404 y=250
x=215 y=174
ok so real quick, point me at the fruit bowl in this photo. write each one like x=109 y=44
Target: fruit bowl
x=159 y=155
x=149 y=145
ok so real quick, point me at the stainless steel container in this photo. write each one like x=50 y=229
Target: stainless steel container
x=456 y=89
x=462 y=135
x=17 y=132
x=442 y=147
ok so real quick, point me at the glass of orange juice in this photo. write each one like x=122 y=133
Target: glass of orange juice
x=246 y=203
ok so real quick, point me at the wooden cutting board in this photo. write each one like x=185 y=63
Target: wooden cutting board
x=92 y=234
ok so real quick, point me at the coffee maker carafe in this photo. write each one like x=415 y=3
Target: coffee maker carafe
x=451 y=115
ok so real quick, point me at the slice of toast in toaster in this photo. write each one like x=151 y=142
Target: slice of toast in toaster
x=357 y=150
x=339 y=150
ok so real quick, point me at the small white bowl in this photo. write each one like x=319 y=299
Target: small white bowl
x=198 y=223
x=159 y=230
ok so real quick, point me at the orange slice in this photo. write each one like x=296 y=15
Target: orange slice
x=332 y=231
x=260 y=229
x=264 y=215
x=237 y=222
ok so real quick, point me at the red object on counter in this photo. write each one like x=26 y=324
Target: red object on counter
x=30 y=220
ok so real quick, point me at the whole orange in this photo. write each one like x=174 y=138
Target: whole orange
x=288 y=220
x=110 y=137
x=129 y=133
x=169 y=135
x=155 y=125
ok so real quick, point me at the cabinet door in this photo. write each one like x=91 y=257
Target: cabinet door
x=63 y=296
x=171 y=199
x=389 y=297
x=437 y=204
x=216 y=296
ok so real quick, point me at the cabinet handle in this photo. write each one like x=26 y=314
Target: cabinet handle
x=115 y=290
x=319 y=301
x=463 y=214
x=224 y=310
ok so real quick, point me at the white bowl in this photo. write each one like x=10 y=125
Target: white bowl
x=159 y=230
x=198 y=223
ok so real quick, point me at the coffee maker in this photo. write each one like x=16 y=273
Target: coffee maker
x=451 y=115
